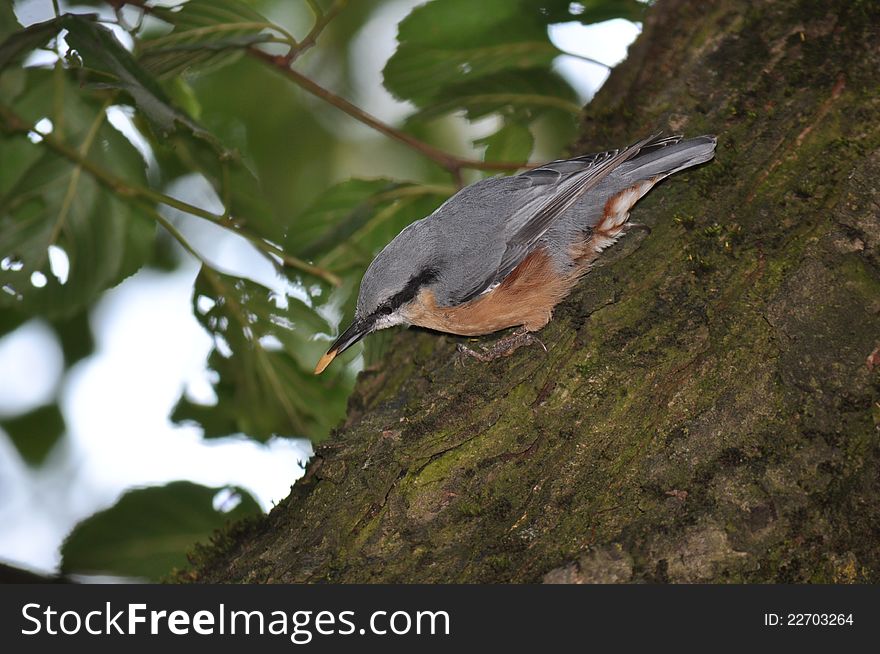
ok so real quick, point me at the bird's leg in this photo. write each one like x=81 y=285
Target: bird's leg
x=503 y=347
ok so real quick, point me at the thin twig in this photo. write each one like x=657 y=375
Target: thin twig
x=15 y=123
x=178 y=236
x=322 y=19
x=450 y=162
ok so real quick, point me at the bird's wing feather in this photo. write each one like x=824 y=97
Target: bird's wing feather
x=557 y=186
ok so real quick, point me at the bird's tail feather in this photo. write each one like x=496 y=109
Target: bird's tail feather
x=671 y=158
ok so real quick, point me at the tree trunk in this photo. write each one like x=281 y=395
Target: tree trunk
x=708 y=407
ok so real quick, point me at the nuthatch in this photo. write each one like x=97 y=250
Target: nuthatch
x=505 y=251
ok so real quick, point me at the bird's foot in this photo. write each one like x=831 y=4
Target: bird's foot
x=503 y=347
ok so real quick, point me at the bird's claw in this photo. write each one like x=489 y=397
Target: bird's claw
x=464 y=351
x=503 y=347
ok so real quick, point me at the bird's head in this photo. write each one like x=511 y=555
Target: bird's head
x=391 y=283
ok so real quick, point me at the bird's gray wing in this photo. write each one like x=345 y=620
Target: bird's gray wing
x=560 y=184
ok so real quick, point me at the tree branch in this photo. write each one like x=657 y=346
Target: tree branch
x=450 y=162
x=282 y=63
x=322 y=19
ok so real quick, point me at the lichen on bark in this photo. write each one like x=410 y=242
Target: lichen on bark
x=704 y=411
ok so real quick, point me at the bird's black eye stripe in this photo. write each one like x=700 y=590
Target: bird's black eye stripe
x=385 y=310
x=409 y=291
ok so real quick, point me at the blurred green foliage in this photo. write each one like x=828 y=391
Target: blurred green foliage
x=208 y=86
x=149 y=530
x=35 y=432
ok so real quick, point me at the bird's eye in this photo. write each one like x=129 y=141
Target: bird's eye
x=385 y=311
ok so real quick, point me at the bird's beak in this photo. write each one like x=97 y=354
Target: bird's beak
x=355 y=332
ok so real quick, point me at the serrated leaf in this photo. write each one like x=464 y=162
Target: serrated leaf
x=353 y=220
x=420 y=75
x=115 y=67
x=19 y=42
x=101 y=51
x=448 y=42
x=513 y=142
x=263 y=355
x=168 y=60
x=53 y=203
x=386 y=222
x=207 y=34
x=149 y=531
x=35 y=433
x=335 y=215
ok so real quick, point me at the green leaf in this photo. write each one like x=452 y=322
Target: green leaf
x=149 y=531
x=513 y=142
x=12 y=83
x=101 y=51
x=19 y=43
x=16 y=158
x=207 y=34
x=353 y=220
x=114 y=67
x=10 y=321
x=264 y=355
x=420 y=75
x=184 y=96
x=75 y=336
x=8 y=21
x=521 y=95
x=239 y=189
x=52 y=202
x=335 y=215
x=487 y=57
x=34 y=434
x=448 y=42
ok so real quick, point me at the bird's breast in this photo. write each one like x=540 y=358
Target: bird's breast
x=525 y=297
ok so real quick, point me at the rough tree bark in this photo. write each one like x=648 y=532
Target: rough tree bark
x=707 y=410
